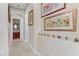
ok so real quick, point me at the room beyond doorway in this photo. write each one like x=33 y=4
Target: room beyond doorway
x=16 y=28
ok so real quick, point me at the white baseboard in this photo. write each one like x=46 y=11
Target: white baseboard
x=35 y=51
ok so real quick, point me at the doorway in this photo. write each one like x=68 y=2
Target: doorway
x=16 y=28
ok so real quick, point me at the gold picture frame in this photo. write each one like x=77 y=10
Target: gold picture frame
x=61 y=22
x=50 y=8
x=30 y=17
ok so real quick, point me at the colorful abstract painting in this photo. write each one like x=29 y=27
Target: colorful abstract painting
x=49 y=8
x=63 y=21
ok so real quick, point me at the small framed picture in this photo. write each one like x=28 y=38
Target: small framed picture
x=61 y=22
x=50 y=8
x=9 y=14
x=30 y=17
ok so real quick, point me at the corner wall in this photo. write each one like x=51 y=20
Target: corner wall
x=30 y=29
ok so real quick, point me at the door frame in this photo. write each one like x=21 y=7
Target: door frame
x=12 y=27
x=19 y=28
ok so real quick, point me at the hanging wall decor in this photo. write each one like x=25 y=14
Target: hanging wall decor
x=30 y=17
x=9 y=14
x=49 y=8
x=61 y=22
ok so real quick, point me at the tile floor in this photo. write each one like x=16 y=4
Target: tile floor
x=20 y=48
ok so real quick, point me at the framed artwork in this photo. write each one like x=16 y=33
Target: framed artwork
x=9 y=14
x=30 y=17
x=61 y=22
x=49 y=8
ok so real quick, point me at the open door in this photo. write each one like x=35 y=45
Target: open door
x=16 y=29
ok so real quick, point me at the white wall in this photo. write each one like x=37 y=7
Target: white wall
x=53 y=46
x=26 y=31
x=18 y=14
x=31 y=29
x=4 y=29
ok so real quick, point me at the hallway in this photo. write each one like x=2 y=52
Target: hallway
x=20 y=48
x=43 y=29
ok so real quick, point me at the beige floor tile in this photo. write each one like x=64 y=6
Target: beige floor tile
x=20 y=48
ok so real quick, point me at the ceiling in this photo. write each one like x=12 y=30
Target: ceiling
x=22 y=6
